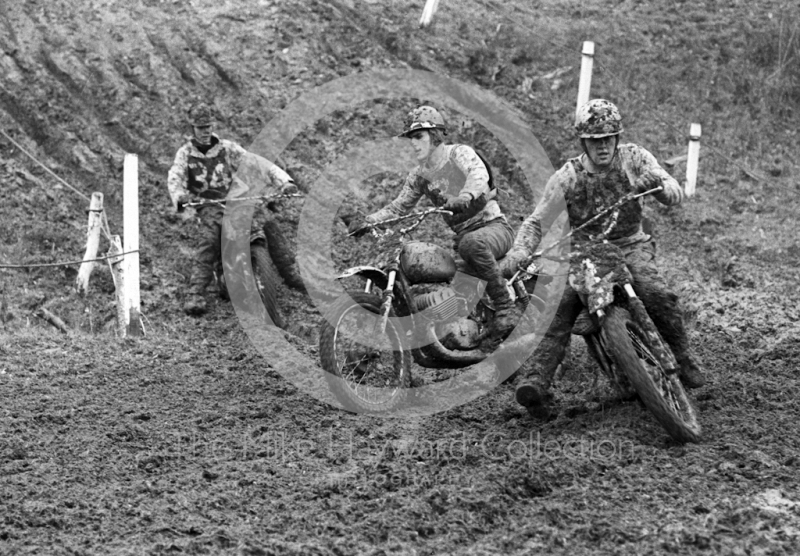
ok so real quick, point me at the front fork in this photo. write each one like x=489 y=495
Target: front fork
x=661 y=349
x=386 y=306
x=630 y=293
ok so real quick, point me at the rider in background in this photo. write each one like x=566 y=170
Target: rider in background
x=204 y=167
x=605 y=172
x=455 y=178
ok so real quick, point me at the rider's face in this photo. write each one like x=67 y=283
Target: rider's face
x=601 y=150
x=421 y=142
x=203 y=134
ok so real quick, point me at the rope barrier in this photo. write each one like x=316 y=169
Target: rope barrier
x=70 y=263
x=104 y=225
x=43 y=166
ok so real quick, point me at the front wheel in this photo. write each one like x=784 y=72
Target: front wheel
x=267 y=282
x=662 y=393
x=368 y=372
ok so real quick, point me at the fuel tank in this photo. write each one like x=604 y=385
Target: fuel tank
x=427 y=262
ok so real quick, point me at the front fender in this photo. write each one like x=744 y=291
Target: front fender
x=378 y=276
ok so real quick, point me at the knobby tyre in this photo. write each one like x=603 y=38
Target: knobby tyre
x=366 y=371
x=661 y=393
x=266 y=278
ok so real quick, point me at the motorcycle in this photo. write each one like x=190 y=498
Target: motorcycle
x=410 y=309
x=619 y=333
x=264 y=271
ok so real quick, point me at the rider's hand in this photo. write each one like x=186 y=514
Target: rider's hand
x=457 y=204
x=180 y=204
x=509 y=265
x=289 y=188
x=646 y=182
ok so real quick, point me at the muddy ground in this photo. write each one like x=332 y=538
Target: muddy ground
x=191 y=440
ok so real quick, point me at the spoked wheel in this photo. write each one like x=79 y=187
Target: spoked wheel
x=661 y=393
x=366 y=370
x=266 y=278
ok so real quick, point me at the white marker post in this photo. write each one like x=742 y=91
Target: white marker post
x=693 y=159
x=92 y=243
x=116 y=262
x=130 y=223
x=585 y=83
x=427 y=13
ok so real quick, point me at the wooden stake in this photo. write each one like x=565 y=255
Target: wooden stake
x=130 y=222
x=693 y=158
x=428 y=12
x=43 y=313
x=585 y=83
x=92 y=243
x=115 y=260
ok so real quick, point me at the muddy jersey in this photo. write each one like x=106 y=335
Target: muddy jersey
x=211 y=174
x=587 y=193
x=458 y=171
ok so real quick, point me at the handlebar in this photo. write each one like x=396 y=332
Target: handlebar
x=524 y=265
x=203 y=202
x=420 y=216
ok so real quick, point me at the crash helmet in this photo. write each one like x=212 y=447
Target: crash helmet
x=598 y=118
x=423 y=117
x=200 y=114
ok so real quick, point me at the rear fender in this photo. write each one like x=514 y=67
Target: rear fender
x=378 y=276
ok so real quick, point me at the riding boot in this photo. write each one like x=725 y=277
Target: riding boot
x=537 y=373
x=668 y=319
x=195 y=303
x=535 y=396
x=690 y=373
x=505 y=313
x=533 y=387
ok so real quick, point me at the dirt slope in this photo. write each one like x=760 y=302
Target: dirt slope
x=189 y=440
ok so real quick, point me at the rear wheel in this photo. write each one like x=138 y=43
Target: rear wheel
x=368 y=372
x=662 y=393
x=266 y=278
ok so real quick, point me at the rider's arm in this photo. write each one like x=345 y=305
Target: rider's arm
x=477 y=176
x=235 y=154
x=178 y=177
x=550 y=206
x=409 y=196
x=641 y=161
x=252 y=172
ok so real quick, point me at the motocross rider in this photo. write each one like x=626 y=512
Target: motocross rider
x=454 y=177
x=204 y=167
x=606 y=171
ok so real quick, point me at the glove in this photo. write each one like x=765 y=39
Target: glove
x=646 y=182
x=509 y=265
x=457 y=204
x=289 y=188
x=358 y=227
x=180 y=204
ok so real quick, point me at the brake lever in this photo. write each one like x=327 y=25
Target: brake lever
x=653 y=191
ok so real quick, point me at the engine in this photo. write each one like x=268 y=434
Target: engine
x=442 y=301
x=449 y=311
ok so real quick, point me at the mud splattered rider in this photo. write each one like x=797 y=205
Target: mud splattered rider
x=204 y=167
x=455 y=177
x=605 y=172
